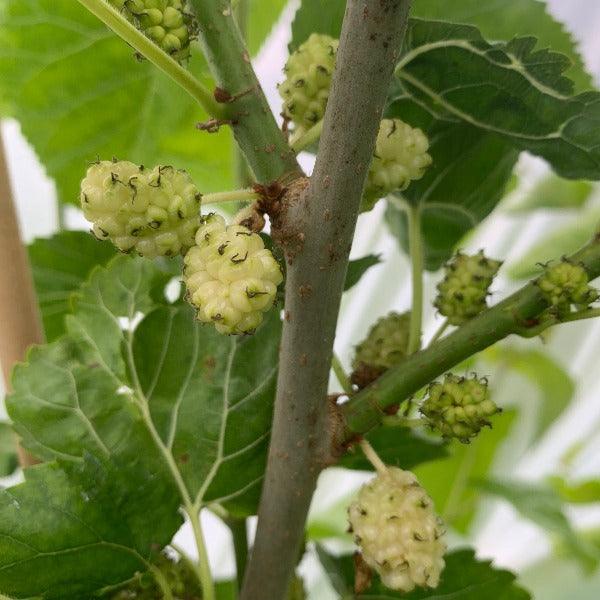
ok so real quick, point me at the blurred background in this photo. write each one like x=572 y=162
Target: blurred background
x=554 y=382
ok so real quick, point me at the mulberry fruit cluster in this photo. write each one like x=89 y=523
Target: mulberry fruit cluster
x=567 y=283
x=165 y=22
x=386 y=344
x=463 y=292
x=154 y=212
x=231 y=278
x=459 y=407
x=400 y=157
x=308 y=78
x=395 y=525
x=180 y=578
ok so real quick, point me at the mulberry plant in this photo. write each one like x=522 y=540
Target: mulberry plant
x=197 y=354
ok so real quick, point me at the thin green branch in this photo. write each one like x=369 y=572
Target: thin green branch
x=519 y=312
x=440 y=332
x=113 y=19
x=550 y=320
x=256 y=131
x=162 y=582
x=307 y=138
x=208 y=587
x=239 y=535
x=341 y=375
x=415 y=242
x=245 y=195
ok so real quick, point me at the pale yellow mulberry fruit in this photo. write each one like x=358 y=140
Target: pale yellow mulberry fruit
x=231 y=277
x=154 y=212
x=400 y=157
x=400 y=535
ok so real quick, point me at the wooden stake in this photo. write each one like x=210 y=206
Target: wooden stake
x=20 y=324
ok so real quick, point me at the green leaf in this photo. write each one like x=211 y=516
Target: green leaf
x=555 y=385
x=70 y=535
x=581 y=492
x=470 y=171
x=448 y=481
x=497 y=20
x=506 y=89
x=553 y=192
x=79 y=94
x=464 y=578
x=60 y=264
x=8 y=455
x=543 y=506
x=263 y=14
x=397 y=446
x=211 y=398
x=505 y=19
x=357 y=268
x=562 y=242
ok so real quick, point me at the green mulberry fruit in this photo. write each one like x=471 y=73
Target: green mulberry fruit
x=231 y=278
x=395 y=525
x=567 y=283
x=166 y=22
x=459 y=407
x=400 y=157
x=386 y=344
x=181 y=580
x=154 y=212
x=463 y=292
x=308 y=78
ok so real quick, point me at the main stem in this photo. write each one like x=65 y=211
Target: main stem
x=323 y=221
x=415 y=241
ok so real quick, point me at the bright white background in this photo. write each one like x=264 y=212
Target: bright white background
x=501 y=535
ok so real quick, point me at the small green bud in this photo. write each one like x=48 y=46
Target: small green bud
x=459 y=407
x=565 y=284
x=462 y=294
x=166 y=22
x=308 y=78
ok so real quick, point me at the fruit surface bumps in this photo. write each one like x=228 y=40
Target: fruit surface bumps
x=400 y=157
x=386 y=343
x=231 y=278
x=463 y=292
x=167 y=23
x=154 y=212
x=308 y=79
x=567 y=283
x=458 y=407
x=400 y=535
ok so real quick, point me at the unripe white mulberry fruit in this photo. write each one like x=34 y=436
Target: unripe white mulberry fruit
x=395 y=525
x=566 y=283
x=458 y=407
x=155 y=212
x=400 y=157
x=231 y=278
x=167 y=23
x=308 y=78
x=463 y=292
